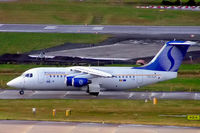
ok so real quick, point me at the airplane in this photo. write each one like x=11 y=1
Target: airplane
x=41 y=56
x=93 y=80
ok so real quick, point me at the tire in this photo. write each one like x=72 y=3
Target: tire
x=21 y=92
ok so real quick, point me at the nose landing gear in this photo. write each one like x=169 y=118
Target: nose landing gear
x=21 y=92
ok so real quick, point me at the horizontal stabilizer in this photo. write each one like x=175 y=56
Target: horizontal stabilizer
x=174 y=43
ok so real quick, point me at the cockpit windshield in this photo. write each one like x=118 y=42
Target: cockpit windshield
x=29 y=75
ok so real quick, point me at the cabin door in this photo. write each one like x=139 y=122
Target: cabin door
x=40 y=76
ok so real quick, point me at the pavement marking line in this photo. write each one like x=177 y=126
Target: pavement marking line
x=15 y=128
x=97 y=28
x=130 y=95
x=163 y=94
x=85 y=129
x=22 y=31
x=71 y=129
x=66 y=93
x=196 y=96
x=2 y=92
x=28 y=129
x=50 y=27
x=114 y=130
x=35 y=92
x=52 y=128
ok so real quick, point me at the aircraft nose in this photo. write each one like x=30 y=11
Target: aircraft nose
x=16 y=83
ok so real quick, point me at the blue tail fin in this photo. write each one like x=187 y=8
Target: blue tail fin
x=169 y=58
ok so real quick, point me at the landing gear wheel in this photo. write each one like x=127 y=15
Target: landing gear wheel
x=21 y=92
x=94 y=93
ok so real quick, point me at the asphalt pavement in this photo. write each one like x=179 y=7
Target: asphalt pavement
x=124 y=50
x=110 y=29
x=17 y=126
x=14 y=94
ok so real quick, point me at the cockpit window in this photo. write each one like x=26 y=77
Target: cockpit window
x=29 y=75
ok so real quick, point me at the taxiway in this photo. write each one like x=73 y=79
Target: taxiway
x=16 y=126
x=109 y=29
x=124 y=50
x=14 y=94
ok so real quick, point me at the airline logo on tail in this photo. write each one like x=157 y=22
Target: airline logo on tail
x=170 y=57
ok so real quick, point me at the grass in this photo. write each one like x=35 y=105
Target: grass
x=188 y=77
x=105 y=12
x=109 y=111
x=18 y=68
x=112 y=1
x=25 y=42
x=183 y=83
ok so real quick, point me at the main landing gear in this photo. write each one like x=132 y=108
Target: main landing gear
x=92 y=93
x=21 y=92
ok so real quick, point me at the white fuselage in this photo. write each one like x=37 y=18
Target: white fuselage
x=54 y=78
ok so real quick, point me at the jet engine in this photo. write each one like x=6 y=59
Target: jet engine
x=80 y=82
x=69 y=80
x=77 y=82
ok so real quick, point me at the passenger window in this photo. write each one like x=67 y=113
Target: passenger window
x=57 y=75
x=50 y=76
x=129 y=76
x=119 y=76
x=61 y=76
x=126 y=76
x=54 y=76
x=31 y=75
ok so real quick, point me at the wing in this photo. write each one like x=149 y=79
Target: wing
x=49 y=56
x=92 y=71
x=33 y=56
